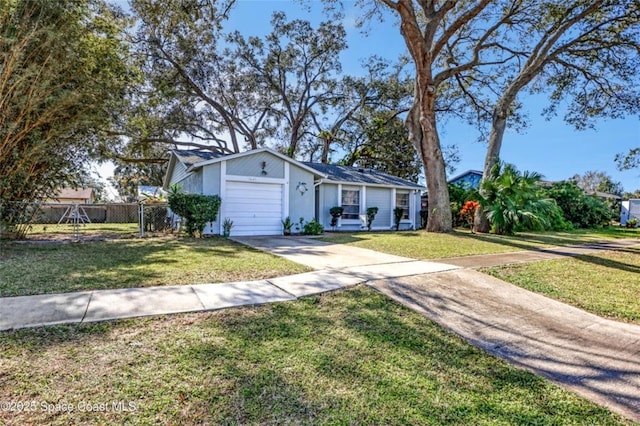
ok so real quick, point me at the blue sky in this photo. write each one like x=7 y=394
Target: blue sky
x=552 y=147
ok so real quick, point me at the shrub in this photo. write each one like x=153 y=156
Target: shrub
x=424 y=217
x=468 y=211
x=632 y=223
x=313 y=228
x=371 y=214
x=336 y=213
x=197 y=210
x=398 y=212
x=458 y=195
x=579 y=209
x=513 y=200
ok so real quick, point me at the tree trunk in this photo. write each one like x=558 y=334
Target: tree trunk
x=498 y=125
x=421 y=123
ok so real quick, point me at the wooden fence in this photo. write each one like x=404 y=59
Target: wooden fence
x=96 y=213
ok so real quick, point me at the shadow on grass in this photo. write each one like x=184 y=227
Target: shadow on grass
x=610 y=263
x=356 y=357
x=349 y=357
x=29 y=269
x=561 y=241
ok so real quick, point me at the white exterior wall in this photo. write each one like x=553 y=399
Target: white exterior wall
x=192 y=183
x=380 y=198
x=330 y=195
x=301 y=204
x=630 y=209
x=211 y=186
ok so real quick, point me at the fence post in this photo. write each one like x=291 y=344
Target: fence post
x=141 y=218
x=76 y=222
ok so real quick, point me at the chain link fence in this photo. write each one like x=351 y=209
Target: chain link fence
x=64 y=221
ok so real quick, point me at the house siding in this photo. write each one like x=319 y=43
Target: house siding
x=211 y=186
x=179 y=172
x=211 y=179
x=192 y=183
x=301 y=205
x=251 y=165
x=380 y=198
x=328 y=198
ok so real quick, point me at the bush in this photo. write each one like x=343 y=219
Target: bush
x=313 y=228
x=336 y=213
x=197 y=210
x=398 y=212
x=513 y=200
x=371 y=214
x=468 y=211
x=632 y=223
x=458 y=195
x=424 y=217
x=579 y=209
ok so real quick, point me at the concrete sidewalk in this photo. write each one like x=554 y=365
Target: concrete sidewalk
x=101 y=305
x=597 y=358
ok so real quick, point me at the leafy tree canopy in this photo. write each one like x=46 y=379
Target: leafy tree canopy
x=630 y=160
x=64 y=78
x=597 y=181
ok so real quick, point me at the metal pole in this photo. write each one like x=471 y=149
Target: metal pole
x=141 y=219
x=76 y=225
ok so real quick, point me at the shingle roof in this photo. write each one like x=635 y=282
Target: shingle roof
x=468 y=172
x=80 y=193
x=360 y=175
x=189 y=157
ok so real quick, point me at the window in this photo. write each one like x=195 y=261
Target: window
x=402 y=201
x=350 y=204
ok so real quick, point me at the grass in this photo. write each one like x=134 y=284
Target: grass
x=27 y=269
x=113 y=229
x=426 y=245
x=348 y=357
x=606 y=284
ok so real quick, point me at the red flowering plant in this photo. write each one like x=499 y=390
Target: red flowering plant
x=468 y=211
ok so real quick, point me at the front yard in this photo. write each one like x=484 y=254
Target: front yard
x=426 y=245
x=348 y=357
x=606 y=284
x=27 y=269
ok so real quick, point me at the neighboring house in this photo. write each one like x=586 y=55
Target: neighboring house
x=74 y=196
x=606 y=196
x=629 y=209
x=260 y=188
x=469 y=179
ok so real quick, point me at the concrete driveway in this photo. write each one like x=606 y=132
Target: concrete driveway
x=319 y=254
x=595 y=357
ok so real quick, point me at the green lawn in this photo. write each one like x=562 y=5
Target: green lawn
x=57 y=268
x=348 y=357
x=606 y=284
x=110 y=229
x=426 y=245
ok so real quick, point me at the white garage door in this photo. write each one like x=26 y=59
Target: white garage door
x=255 y=208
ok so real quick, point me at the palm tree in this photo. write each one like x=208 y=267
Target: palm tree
x=512 y=199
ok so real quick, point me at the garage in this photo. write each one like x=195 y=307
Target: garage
x=255 y=208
